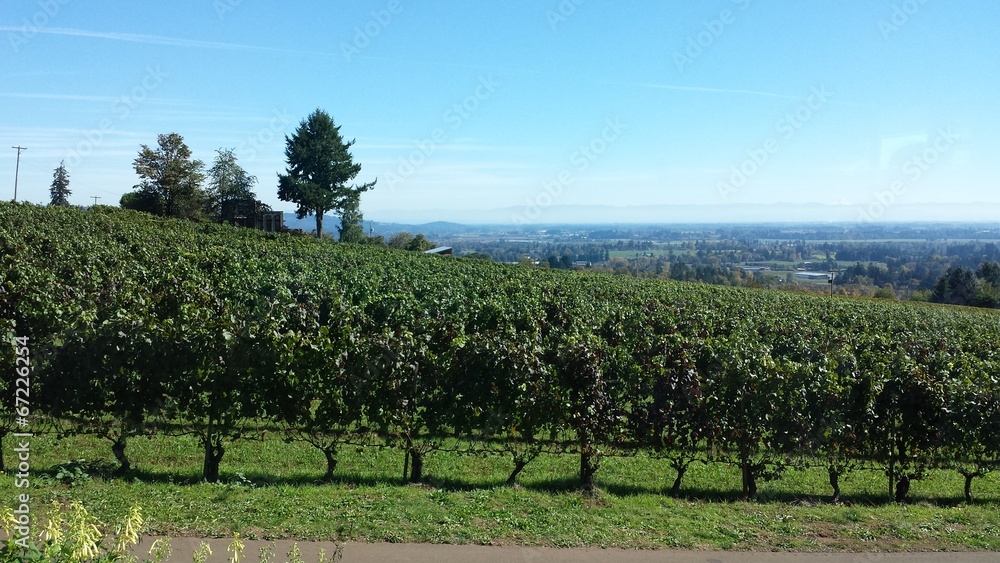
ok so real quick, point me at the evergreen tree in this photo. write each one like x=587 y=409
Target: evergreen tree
x=958 y=286
x=351 y=229
x=989 y=272
x=320 y=166
x=230 y=189
x=60 y=192
x=988 y=294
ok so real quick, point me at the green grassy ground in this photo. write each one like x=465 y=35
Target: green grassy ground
x=269 y=491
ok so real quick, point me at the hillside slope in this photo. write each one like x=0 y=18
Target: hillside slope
x=131 y=317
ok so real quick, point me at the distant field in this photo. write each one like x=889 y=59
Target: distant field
x=630 y=254
x=816 y=241
x=783 y=266
x=816 y=265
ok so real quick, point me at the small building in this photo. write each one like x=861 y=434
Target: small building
x=272 y=221
x=812 y=275
x=443 y=250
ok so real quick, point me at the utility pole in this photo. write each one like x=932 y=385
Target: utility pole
x=96 y=197
x=17 y=168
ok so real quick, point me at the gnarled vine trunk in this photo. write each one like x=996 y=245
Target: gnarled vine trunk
x=519 y=464
x=749 y=480
x=213 y=458
x=749 y=470
x=331 y=463
x=681 y=468
x=835 y=483
x=587 y=469
x=968 y=485
x=118 y=448
x=416 y=466
x=903 y=486
x=588 y=465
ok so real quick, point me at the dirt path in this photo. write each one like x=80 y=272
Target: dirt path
x=183 y=548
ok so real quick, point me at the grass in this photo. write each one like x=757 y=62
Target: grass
x=269 y=490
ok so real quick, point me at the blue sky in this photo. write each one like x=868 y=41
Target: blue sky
x=459 y=107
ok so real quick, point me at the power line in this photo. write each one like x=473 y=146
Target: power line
x=96 y=197
x=17 y=168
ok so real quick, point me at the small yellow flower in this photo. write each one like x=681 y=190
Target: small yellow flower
x=128 y=532
x=8 y=521
x=53 y=531
x=83 y=536
x=161 y=550
x=204 y=551
x=236 y=546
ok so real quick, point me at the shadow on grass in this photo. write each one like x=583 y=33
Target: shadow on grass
x=75 y=472
x=696 y=494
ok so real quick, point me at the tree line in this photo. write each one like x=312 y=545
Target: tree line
x=974 y=288
x=173 y=184
x=140 y=326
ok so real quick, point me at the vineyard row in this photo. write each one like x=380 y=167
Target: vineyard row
x=133 y=319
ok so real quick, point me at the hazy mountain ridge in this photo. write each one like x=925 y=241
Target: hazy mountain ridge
x=727 y=213
x=388 y=223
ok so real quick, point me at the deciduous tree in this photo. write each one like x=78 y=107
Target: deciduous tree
x=419 y=244
x=170 y=180
x=400 y=240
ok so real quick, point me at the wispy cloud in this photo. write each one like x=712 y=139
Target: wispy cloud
x=737 y=91
x=457 y=146
x=60 y=97
x=37 y=73
x=161 y=40
x=721 y=91
x=183 y=105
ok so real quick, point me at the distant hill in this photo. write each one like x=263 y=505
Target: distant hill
x=725 y=213
x=331 y=222
x=447 y=222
